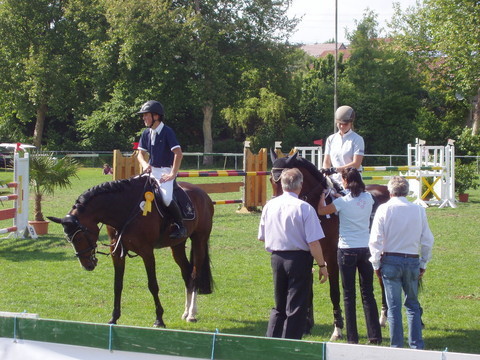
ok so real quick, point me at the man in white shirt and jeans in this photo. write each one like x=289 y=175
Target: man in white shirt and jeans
x=401 y=246
x=291 y=231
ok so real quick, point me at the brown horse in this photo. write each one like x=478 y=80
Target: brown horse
x=314 y=184
x=119 y=204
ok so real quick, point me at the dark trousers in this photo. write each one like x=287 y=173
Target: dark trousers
x=292 y=283
x=349 y=260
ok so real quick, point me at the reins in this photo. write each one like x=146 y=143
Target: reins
x=305 y=196
x=131 y=217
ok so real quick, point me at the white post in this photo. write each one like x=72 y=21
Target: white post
x=21 y=177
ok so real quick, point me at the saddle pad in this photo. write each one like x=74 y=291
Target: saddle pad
x=184 y=202
x=179 y=196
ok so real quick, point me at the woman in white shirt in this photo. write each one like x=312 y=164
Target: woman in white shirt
x=354 y=211
x=345 y=148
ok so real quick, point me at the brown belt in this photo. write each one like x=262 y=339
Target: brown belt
x=400 y=255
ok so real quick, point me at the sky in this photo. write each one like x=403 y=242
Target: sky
x=318 y=24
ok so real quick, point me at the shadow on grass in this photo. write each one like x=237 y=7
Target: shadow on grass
x=454 y=340
x=42 y=248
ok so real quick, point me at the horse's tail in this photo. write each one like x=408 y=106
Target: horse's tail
x=204 y=282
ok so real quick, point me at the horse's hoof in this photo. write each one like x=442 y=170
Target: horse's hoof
x=383 y=319
x=184 y=316
x=159 y=324
x=192 y=320
x=337 y=334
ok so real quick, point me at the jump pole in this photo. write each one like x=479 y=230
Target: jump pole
x=424 y=162
x=254 y=172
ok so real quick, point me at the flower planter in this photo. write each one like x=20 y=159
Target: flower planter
x=463 y=197
x=41 y=227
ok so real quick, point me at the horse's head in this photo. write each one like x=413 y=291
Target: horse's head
x=83 y=236
x=313 y=180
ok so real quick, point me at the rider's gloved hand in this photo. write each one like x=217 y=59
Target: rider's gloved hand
x=328 y=171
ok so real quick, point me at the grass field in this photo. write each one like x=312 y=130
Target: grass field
x=42 y=276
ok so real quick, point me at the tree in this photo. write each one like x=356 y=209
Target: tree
x=381 y=84
x=316 y=102
x=42 y=59
x=226 y=37
x=443 y=37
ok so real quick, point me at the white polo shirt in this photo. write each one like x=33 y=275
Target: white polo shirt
x=342 y=148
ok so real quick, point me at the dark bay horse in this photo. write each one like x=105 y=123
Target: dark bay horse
x=117 y=205
x=314 y=184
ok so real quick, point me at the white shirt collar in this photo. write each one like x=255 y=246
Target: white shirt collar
x=155 y=132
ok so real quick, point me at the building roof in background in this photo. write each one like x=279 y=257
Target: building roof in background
x=322 y=50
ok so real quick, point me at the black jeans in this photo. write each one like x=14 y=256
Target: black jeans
x=292 y=279
x=348 y=262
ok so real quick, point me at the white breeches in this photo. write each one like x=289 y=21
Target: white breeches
x=166 y=188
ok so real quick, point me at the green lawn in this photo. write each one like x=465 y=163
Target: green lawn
x=43 y=276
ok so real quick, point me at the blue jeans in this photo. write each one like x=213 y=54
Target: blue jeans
x=401 y=273
x=349 y=260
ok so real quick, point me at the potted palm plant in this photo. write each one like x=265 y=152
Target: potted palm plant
x=465 y=178
x=48 y=173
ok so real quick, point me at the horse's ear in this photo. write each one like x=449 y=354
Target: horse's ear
x=273 y=155
x=55 y=219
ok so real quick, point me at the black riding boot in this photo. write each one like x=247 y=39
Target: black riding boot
x=180 y=231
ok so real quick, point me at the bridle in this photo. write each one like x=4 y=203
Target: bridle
x=304 y=197
x=71 y=238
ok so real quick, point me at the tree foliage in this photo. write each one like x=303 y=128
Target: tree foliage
x=45 y=70
x=443 y=38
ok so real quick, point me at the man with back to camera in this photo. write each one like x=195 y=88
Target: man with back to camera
x=291 y=231
x=401 y=246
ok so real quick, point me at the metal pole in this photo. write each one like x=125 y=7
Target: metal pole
x=336 y=61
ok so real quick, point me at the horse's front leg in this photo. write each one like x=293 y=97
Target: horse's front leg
x=119 y=266
x=149 y=261
x=334 y=282
x=329 y=248
x=384 y=311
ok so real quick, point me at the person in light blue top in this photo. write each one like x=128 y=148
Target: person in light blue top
x=354 y=210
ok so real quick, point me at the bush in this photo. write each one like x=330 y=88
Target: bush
x=465 y=177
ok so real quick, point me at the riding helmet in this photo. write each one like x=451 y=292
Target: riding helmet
x=345 y=114
x=151 y=106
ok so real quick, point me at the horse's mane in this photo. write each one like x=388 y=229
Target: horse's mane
x=105 y=188
x=295 y=161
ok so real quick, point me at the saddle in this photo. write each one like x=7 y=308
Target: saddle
x=179 y=196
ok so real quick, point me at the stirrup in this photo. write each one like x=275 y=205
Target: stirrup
x=179 y=233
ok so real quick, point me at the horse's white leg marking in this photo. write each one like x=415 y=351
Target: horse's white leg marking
x=383 y=318
x=188 y=301
x=193 y=308
x=337 y=334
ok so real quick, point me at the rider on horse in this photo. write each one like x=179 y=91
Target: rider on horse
x=160 y=142
x=345 y=148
